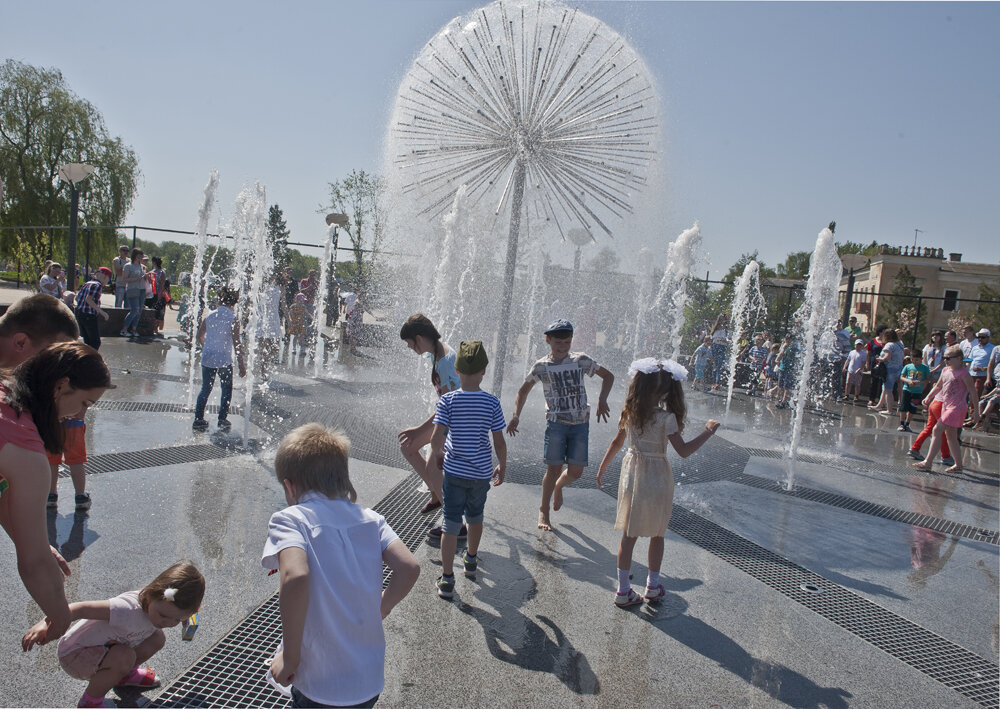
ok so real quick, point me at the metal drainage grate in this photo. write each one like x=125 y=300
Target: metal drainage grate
x=939 y=658
x=151 y=458
x=232 y=672
x=870 y=508
x=157 y=407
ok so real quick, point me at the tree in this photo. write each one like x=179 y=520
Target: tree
x=277 y=234
x=361 y=196
x=796 y=265
x=605 y=261
x=44 y=125
x=901 y=307
x=988 y=314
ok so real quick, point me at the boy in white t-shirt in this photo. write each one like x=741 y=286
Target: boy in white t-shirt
x=329 y=553
x=567 y=414
x=853 y=365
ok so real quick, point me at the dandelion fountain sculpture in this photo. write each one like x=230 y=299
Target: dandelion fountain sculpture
x=514 y=95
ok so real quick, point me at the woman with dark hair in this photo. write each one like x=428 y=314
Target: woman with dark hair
x=420 y=335
x=892 y=357
x=876 y=368
x=158 y=278
x=134 y=277
x=62 y=380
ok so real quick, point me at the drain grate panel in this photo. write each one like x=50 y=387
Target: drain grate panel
x=232 y=673
x=156 y=407
x=150 y=458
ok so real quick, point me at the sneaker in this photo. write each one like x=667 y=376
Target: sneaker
x=948 y=461
x=915 y=454
x=901 y=427
x=655 y=594
x=83 y=501
x=446 y=588
x=225 y=426
x=199 y=425
x=123 y=333
x=624 y=600
x=436 y=533
x=884 y=412
x=906 y=427
x=53 y=500
x=471 y=564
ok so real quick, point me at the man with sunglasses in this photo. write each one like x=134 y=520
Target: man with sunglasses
x=979 y=356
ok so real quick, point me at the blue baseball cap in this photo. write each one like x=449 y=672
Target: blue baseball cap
x=560 y=325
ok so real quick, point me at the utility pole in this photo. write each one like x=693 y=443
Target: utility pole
x=915 y=232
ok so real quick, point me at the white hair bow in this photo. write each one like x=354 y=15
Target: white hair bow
x=169 y=594
x=651 y=365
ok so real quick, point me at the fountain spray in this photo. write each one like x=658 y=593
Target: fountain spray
x=672 y=294
x=197 y=273
x=748 y=305
x=324 y=274
x=643 y=275
x=815 y=317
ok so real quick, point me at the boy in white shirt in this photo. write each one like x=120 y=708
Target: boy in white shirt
x=329 y=552
x=853 y=365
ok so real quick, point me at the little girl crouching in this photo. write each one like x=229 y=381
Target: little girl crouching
x=113 y=638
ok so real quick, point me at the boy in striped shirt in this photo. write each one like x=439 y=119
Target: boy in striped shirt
x=460 y=446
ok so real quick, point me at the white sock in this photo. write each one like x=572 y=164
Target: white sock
x=624 y=584
x=653 y=580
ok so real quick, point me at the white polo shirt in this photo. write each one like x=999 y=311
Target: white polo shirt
x=343 y=647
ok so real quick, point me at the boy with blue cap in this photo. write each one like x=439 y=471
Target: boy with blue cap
x=567 y=427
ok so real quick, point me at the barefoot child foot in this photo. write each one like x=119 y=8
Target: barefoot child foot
x=567 y=427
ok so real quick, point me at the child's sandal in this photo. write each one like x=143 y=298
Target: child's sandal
x=624 y=600
x=143 y=676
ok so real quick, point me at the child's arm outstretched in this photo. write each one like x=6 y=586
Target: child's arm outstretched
x=616 y=445
x=500 y=445
x=522 y=396
x=608 y=379
x=90 y=610
x=293 y=601
x=686 y=448
x=435 y=461
x=405 y=571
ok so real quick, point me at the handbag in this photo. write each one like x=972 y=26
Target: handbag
x=879 y=370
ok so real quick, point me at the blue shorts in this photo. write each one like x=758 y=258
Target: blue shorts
x=566 y=443
x=463 y=496
x=891 y=377
x=699 y=370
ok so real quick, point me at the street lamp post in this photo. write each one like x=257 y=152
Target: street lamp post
x=73 y=173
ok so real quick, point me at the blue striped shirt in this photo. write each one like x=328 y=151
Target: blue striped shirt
x=470 y=417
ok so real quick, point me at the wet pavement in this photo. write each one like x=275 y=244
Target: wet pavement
x=868 y=584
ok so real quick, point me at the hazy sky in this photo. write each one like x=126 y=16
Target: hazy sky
x=777 y=117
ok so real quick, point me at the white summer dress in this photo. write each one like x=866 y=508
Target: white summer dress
x=646 y=485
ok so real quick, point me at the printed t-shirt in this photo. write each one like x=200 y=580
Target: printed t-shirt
x=562 y=384
x=218 y=348
x=470 y=417
x=128 y=624
x=343 y=646
x=443 y=374
x=856 y=360
x=919 y=372
x=50 y=286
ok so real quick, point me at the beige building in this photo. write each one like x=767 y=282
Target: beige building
x=945 y=283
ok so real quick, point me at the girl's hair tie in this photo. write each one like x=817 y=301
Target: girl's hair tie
x=169 y=594
x=651 y=365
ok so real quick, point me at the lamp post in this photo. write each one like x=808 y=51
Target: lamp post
x=73 y=173
x=580 y=237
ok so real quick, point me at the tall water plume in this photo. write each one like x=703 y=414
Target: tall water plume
x=644 y=275
x=814 y=321
x=197 y=273
x=329 y=255
x=671 y=297
x=748 y=307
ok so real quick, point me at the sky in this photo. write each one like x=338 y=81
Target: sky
x=776 y=117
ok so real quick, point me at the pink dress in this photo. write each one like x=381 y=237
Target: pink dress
x=953 y=396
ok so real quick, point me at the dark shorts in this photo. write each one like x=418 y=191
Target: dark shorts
x=908 y=402
x=786 y=378
x=301 y=700
x=566 y=443
x=463 y=496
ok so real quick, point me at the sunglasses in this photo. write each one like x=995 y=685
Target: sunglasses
x=952 y=357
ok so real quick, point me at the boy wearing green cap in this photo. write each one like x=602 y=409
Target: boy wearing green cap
x=460 y=446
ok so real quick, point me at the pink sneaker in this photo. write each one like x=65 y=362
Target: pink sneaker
x=143 y=677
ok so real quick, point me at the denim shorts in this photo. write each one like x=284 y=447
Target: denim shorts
x=566 y=443
x=463 y=496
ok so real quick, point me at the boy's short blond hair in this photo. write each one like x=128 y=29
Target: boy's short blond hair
x=314 y=458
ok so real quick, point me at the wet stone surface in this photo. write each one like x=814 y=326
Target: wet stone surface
x=538 y=624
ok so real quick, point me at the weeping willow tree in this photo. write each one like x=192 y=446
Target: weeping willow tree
x=44 y=125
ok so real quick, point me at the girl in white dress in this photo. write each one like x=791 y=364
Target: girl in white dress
x=654 y=414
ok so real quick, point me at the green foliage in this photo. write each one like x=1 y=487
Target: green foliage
x=361 y=196
x=44 y=125
x=988 y=314
x=301 y=264
x=796 y=265
x=853 y=247
x=605 y=261
x=277 y=235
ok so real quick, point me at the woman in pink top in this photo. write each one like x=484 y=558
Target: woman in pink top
x=954 y=389
x=62 y=380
